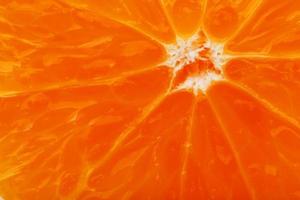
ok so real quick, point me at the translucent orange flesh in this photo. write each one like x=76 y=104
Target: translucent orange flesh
x=89 y=108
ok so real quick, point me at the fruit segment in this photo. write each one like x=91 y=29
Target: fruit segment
x=275 y=81
x=39 y=53
x=222 y=18
x=60 y=133
x=185 y=15
x=146 y=16
x=210 y=170
x=274 y=29
x=265 y=144
x=148 y=159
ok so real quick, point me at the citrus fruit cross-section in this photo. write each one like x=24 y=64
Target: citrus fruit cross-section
x=149 y=100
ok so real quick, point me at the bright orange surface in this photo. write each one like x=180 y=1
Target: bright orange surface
x=89 y=108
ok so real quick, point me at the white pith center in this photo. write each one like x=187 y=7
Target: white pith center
x=200 y=82
x=187 y=51
x=183 y=52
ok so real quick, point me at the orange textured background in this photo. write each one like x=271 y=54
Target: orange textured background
x=88 y=109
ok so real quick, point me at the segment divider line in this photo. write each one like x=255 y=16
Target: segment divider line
x=234 y=151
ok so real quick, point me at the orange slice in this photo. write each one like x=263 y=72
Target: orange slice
x=149 y=99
